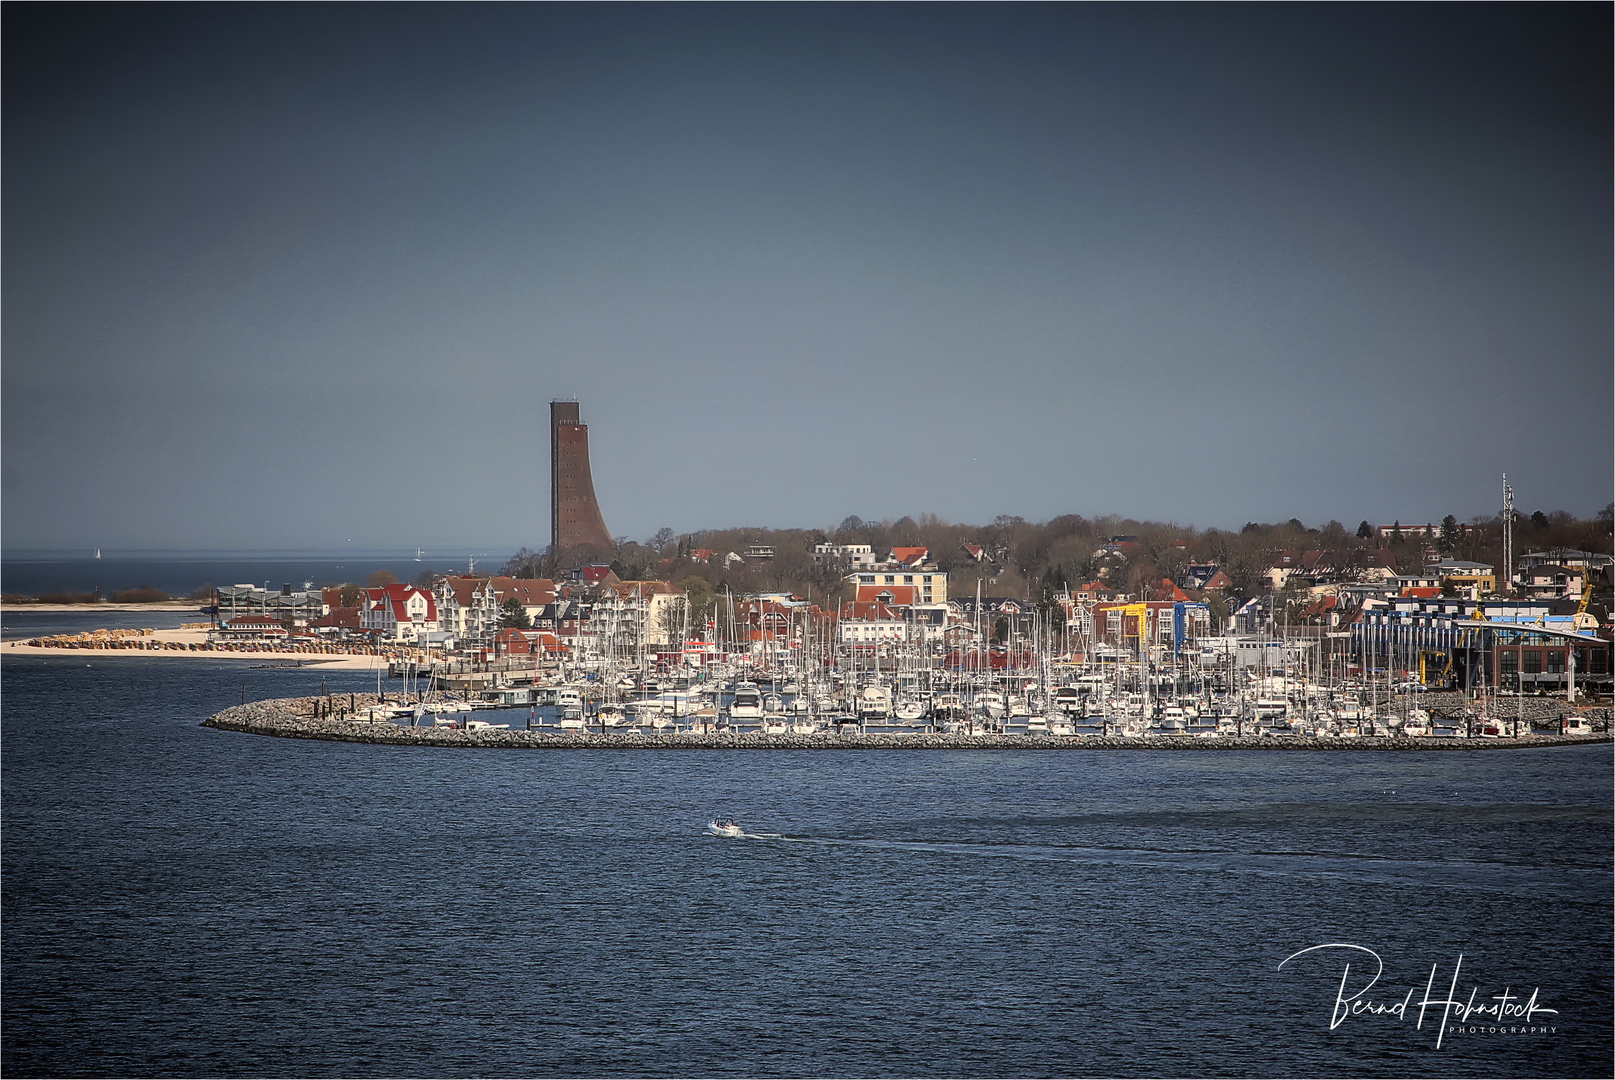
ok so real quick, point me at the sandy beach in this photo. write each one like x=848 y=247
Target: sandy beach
x=185 y=644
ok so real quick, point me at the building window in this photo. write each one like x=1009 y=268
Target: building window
x=1556 y=662
x=891 y=579
x=1600 y=662
x=1533 y=661
x=1508 y=662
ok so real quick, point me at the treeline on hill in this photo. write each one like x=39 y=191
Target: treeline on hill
x=1032 y=561
x=141 y=594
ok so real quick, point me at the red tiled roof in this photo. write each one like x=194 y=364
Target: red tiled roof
x=1169 y=591
x=867 y=612
x=900 y=594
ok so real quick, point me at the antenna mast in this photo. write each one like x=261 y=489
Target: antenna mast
x=1508 y=534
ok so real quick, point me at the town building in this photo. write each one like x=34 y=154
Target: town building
x=1548 y=580
x=871 y=624
x=399 y=613
x=297 y=607
x=918 y=586
x=852 y=556
x=1463 y=574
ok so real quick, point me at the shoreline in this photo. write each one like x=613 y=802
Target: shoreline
x=292 y=718
x=286 y=658
x=106 y=605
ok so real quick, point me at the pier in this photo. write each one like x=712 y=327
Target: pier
x=299 y=718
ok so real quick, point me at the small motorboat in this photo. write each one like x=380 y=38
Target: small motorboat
x=910 y=709
x=723 y=827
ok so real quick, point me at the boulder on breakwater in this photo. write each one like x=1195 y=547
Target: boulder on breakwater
x=291 y=718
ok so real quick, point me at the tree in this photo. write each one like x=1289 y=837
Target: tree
x=663 y=537
x=699 y=595
x=1396 y=531
x=1365 y=531
x=380 y=578
x=512 y=614
x=1539 y=519
x=530 y=564
x=1449 y=533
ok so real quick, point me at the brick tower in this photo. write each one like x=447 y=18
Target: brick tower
x=575 y=519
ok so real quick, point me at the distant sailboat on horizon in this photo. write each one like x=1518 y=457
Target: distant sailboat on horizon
x=97 y=553
x=419 y=554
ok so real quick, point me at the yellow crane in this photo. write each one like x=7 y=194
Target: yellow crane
x=1142 y=611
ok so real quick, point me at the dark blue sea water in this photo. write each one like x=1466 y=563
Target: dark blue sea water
x=183 y=902
x=182 y=575
x=19 y=625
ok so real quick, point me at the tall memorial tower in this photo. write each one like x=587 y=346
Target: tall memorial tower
x=575 y=519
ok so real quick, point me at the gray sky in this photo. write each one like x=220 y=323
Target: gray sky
x=288 y=275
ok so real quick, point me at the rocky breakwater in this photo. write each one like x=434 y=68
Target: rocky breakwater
x=298 y=718
x=1540 y=711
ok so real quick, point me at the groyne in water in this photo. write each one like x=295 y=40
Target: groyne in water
x=292 y=718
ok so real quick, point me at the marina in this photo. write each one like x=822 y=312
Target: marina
x=452 y=724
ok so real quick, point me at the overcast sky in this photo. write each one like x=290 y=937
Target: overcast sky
x=288 y=275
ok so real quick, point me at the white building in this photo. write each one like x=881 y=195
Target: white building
x=850 y=555
x=401 y=612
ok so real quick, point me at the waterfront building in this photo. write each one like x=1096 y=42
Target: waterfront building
x=298 y=607
x=1524 y=645
x=533 y=594
x=401 y=613
x=871 y=624
x=258 y=629
x=466 y=607
x=639 y=611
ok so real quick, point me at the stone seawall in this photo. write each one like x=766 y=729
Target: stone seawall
x=291 y=718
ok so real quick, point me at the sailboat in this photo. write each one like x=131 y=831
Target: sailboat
x=97 y=553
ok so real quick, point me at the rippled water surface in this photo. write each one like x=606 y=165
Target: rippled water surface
x=181 y=901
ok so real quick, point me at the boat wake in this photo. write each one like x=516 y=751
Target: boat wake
x=1330 y=866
